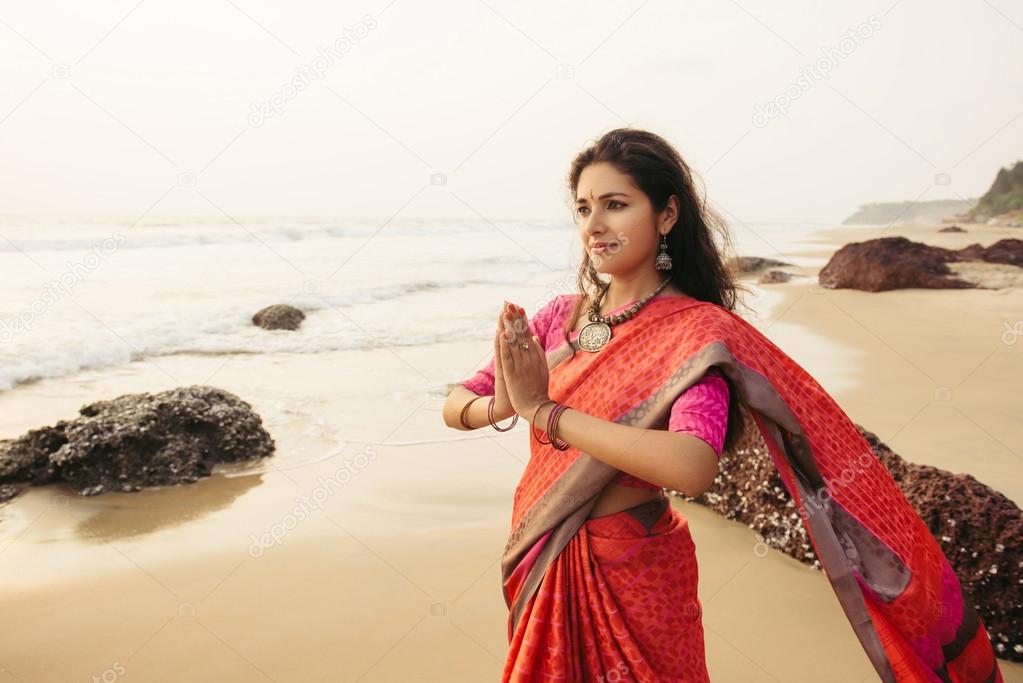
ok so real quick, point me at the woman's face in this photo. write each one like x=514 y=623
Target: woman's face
x=611 y=209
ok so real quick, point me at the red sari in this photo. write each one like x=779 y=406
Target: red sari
x=614 y=598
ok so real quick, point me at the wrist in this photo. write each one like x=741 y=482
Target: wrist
x=476 y=416
x=503 y=412
x=546 y=416
x=539 y=412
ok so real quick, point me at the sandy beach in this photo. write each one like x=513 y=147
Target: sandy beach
x=368 y=548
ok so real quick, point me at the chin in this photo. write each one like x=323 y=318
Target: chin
x=603 y=264
x=610 y=266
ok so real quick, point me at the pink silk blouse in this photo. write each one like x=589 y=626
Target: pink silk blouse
x=701 y=410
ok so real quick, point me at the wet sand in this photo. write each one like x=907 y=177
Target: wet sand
x=368 y=548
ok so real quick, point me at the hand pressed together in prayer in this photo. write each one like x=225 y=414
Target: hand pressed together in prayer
x=519 y=374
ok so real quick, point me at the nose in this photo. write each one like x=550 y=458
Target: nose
x=594 y=224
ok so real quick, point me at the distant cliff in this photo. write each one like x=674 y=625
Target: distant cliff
x=1004 y=201
x=933 y=211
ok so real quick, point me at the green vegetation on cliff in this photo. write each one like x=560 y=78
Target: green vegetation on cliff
x=1005 y=195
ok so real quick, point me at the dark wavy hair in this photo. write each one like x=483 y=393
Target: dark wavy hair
x=699 y=266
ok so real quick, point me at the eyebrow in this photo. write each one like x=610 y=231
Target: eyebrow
x=603 y=196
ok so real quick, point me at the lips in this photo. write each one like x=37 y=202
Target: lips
x=602 y=245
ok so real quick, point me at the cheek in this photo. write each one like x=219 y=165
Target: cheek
x=641 y=231
x=631 y=235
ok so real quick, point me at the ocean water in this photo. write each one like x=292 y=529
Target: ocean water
x=93 y=294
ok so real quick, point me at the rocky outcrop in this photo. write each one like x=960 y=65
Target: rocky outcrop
x=135 y=441
x=751 y=264
x=278 y=317
x=898 y=263
x=979 y=530
x=1008 y=251
x=952 y=228
x=1002 y=204
x=774 y=277
x=8 y=491
x=890 y=263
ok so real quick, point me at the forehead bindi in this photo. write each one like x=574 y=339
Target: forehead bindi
x=603 y=195
x=600 y=180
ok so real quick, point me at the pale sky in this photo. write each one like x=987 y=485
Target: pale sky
x=127 y=107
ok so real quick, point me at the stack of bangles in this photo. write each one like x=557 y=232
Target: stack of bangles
x=552 y=421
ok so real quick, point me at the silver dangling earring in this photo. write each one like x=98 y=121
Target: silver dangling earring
x=663 y=260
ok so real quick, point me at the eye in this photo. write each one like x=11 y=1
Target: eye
x=581 y=209
x=614 y=201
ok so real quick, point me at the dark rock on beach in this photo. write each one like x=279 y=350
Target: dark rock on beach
x=774 y=277
x=8 y=491
x=890 y=263
x=751 y=264
x=278 y=317
x=952 y=228
x=24 y=460
x=979 y=530
x=1009 y=251
x=135 y=441
x=897 y=263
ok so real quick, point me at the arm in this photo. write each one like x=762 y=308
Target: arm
x=674 y=460
x=679 y=461
x=483 y=382
x=477 y=415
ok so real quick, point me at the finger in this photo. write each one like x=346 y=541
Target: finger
x=497 y=355
x=538 y=353
x=500 y=325
x=497 y=347
x=507 y=359
x=524 y=337
x=519 y=325
x=504 y=326
x=517 y=337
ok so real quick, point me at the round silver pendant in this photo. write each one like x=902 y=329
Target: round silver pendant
x=594 y=336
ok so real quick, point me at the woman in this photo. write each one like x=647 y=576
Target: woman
x=643 y=392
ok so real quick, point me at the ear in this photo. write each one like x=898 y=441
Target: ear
x=669 y=216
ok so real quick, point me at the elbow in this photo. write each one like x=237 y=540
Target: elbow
x=452 y=410
x=706 y=479
x=699 y=487
x=454 y=423
x=701 y=470
x=450 y=413
x=694 y=488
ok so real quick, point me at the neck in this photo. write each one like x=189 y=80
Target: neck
x=625 y=289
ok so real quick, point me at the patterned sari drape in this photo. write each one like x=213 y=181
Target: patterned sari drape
x=614 y=598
